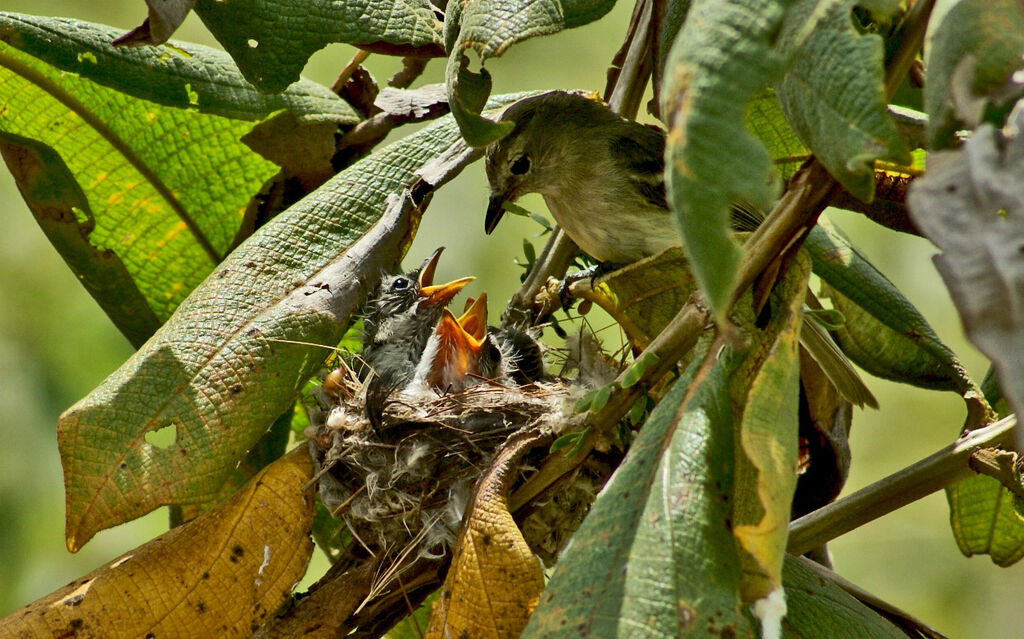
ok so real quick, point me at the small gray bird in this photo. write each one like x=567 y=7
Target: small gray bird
x=599 y=173
x=602 y=178
x=399 y=319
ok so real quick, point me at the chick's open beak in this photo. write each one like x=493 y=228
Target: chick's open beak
x=438 y=294
x=474 y=320
x=494 y=211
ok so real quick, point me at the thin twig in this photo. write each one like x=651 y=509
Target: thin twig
x=945 y=467
x=350 y=68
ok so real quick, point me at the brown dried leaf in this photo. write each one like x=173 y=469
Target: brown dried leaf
x=495 y=580
x=220 y=574
x=165 y=16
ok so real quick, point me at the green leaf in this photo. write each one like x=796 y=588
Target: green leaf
x=637 y=370
x=654 y=557
x=764 y=117
x=234 y=354
x=161 y=74
x=820 y=608
x=161 y=191
x=723 y=55
x=884 y=333
x=985 y=521
x=271 y=40
x=971 y=51
x=63 y=212
x=833 y=93
x=767 y=387
x=490 y=27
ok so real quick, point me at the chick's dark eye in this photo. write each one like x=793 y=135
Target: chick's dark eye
x=400 y=284
x=520 y=165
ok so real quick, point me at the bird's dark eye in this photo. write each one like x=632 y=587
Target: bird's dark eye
x=520 y=165
x=400 y=284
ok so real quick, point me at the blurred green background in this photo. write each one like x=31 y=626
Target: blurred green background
x=56 y=345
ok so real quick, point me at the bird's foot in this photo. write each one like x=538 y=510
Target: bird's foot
x=591 y=272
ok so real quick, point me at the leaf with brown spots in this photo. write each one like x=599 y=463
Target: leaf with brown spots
x=495 y=579
x=221 y=574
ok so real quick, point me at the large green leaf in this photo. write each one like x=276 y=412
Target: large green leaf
x=721 y=57
x=885 y=334
x=489 y=27
x=766 y=389
x=271 y=40
x=833 y=93
x=144 y=144
x=233 y=355
x=820 y=608
x=972 y=49
x=655 y=557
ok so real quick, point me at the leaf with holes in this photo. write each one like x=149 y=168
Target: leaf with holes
x=271 y=40
x=131 y=159
x=221 y=574
x=234 y=354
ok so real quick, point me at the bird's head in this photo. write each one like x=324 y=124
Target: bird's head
x=408 y=296
x=532 y=157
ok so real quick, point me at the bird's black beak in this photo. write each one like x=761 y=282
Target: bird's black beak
x=494 y=212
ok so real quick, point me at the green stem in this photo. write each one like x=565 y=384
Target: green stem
x=945 y=467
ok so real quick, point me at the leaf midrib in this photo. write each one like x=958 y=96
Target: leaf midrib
x=72 y=104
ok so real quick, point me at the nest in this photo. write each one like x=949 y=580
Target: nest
x=401 y=489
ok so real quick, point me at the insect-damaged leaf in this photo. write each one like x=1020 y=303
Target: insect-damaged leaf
x=225 y=365
x=221 y=574
x=144 y=146
x=271 y=40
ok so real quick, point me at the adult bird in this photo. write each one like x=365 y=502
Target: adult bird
x=602 y=178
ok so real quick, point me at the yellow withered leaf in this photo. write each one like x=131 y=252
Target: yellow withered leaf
x=495 y=580
x=219 y=575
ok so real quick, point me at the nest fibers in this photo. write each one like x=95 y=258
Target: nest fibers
x=404 y=488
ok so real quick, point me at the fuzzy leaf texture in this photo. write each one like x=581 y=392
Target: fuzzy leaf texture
x=971 y=205
x=723 y=55
x=489 y=27
x=271 y=40
x=221 y=574
x=655 y=557
x=972 y=49
x=218 y=373
x=833 y=93
x=130 y=159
